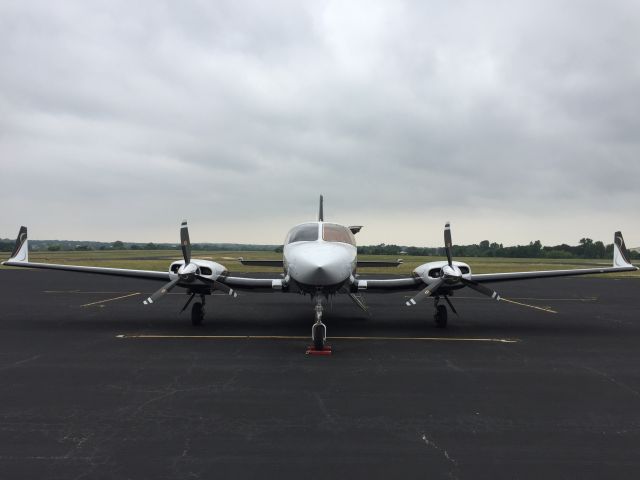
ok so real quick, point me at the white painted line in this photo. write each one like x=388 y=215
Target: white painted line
x=543 y=309
x=110 y=299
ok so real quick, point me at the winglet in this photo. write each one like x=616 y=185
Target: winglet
x=21 y=250
x=620 y=253
x=321 y=211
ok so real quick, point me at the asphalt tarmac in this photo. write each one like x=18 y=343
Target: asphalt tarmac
x=95 y=385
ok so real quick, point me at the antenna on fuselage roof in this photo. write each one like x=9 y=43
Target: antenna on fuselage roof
x=320 y=211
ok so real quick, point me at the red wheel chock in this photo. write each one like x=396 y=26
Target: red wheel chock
x=313 y=351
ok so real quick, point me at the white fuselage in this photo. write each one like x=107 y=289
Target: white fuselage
x=319 y=261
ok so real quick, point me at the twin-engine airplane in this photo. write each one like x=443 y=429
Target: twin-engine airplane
x=320 y=259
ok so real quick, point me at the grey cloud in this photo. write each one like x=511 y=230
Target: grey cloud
x=231 y=113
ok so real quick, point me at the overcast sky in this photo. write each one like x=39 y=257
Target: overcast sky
x=514 y=120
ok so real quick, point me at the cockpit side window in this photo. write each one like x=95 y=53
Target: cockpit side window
x=307 y=232
x=337 y=233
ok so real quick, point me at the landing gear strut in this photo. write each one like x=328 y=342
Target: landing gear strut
x=440 y=316
x=197 y=312
x=319 y=330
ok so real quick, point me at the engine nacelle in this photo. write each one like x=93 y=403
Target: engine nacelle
x=207 y=268
x=432 y=271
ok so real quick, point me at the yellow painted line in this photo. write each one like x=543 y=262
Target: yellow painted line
x=292 y=337
x=110 y=299
x=548 y=310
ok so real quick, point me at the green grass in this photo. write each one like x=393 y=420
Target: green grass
x=160 y=259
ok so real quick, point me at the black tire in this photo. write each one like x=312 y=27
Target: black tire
x=318 y=337
x=197 y=314
x=441 y=317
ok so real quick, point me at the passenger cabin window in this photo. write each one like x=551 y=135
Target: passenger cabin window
x=337 y=233
x=307 y=232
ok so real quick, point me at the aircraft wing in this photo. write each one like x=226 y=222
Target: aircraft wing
x=512 y=276
x=20 y=258
x=119 y=272
x=621 y=263
x=279 y=263
x=380 y=263
x=254 y=284
x=261 y=263
x=390 y=284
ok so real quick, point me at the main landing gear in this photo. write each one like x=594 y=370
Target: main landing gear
x=319 y=333
x=197 y=312
x=440 y=315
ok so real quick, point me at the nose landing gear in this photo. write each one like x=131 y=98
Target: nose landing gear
x=319 y=333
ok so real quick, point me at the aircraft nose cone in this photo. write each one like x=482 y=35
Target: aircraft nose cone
x=321 y=272
x=321 y=266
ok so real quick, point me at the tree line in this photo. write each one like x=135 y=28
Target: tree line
x=587 y=248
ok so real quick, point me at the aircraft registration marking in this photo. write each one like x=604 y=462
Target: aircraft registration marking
x=293 y=337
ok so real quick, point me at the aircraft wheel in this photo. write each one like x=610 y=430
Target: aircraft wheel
x=197 y=314
x=318 y=335
x=441 y=316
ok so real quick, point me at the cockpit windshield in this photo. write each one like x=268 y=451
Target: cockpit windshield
x=307 y=232
x=332 y=232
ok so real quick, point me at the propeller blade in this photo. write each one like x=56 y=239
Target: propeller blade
x=359 y=303
x=188 y=302
x=185 y=243
x=453 y=309
x=218 y=285
x=481 y=289
x=427 y=292
x=161 y=292
x=447 y=242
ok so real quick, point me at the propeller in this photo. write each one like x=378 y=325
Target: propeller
x=427 y=292
x=218 y=285
x=451 y=275
x=162 y=291
x=358 y=301
x=185 y=243
x=447 y=242
x=188 y=272
x=481 y=289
